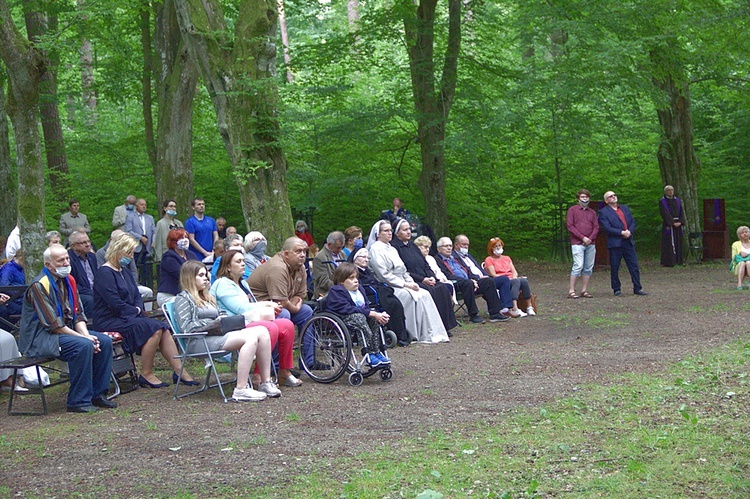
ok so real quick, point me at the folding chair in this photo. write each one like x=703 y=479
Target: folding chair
x=695 y=246
x=182 y=339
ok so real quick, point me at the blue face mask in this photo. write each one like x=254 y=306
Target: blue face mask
x=357 y=244
x=130 y=207
x=171 y=213
x=125 y=261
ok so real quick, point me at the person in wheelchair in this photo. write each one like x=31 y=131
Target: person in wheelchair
x=346 y=298
x=381 y=296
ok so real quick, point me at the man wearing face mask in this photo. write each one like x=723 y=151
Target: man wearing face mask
x=53 y=324
x=583 y=226
x=120 y=214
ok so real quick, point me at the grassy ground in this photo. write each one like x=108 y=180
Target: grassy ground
x=684 y=434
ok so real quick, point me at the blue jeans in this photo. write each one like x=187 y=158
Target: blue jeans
x=583 y=259
x=502 y=283
x=89 y=372
x=299 y=319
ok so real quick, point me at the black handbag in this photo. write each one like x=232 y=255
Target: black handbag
x=225 y=324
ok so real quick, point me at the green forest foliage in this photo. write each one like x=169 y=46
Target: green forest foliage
x=549 y=100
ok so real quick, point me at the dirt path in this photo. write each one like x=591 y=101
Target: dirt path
x=483 y=371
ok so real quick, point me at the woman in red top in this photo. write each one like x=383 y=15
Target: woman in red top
x=301 y=231
x=497 y=264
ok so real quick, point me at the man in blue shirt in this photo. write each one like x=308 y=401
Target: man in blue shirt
x=201 y=230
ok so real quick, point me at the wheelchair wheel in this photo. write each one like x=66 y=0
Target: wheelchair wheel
x=386 y=374
x=355 y=379
x=390 y=339
x=325 y=348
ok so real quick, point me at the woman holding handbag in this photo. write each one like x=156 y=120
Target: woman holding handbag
x=196 y=310
x=234 y=297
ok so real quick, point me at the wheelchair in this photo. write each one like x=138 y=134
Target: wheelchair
x=327 y=349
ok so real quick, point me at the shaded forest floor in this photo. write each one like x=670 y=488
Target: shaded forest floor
x=483 y=372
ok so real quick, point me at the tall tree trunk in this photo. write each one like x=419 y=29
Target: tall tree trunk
x=8 y=215
x=352 y=14
x=148 y=71
x=37 y=25
x=242 y=85
x=433 y=106
x=678 y=163
x=285 y=42
x=25 y=67
x=177 y=78
x=88 y=93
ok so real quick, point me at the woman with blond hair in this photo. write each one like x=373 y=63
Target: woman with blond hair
x=118 y=307
x=196 y=310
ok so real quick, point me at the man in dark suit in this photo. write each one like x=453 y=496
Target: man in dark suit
x=141 y=226
x=469 y=285
x=83 y=267
x=619 y=225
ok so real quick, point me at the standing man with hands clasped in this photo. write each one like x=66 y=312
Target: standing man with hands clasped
x=619 y=225
x=583 y=227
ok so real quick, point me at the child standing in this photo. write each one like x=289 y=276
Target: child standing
x=346 y=298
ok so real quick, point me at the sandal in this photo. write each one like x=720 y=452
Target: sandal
x=292 y=381
x=573 y=295
x=586 y=294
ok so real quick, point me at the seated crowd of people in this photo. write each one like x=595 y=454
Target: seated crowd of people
x=410 y=286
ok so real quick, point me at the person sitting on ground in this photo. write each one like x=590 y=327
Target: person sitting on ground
x=498 y=264
x=53 y=237
x=422 y=317
x=13 y=274
x=255 y=246
x=417 y=267
x=301 y=231
x=166 y=223
x=195 y=310
x=381 y=295
x=740 y=263
x=228 y=243
x=470 y=285
x=118 y=307
x=346 y=298
x=234 y=297
x=53 y=324
x=83 y=267
x=326 y=261
x=352 y=240
x=177 y=254
x=9 y=350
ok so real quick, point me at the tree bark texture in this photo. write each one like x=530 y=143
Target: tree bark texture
x=678 y=163
x=8 y=216
x=433 y=105
x=285 y=42
x=239 y=72
x=177 y=77
x=25 y=66
x=88 y=93
x=39 y=24
x=148 y=66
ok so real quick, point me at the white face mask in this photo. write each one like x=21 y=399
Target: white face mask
x=62 y=271
x=183 y=244
x=463 y=251
x=498 y=251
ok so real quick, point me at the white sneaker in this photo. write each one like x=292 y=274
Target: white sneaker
x=270 y=389
x=530 y=310
x=247 y=394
